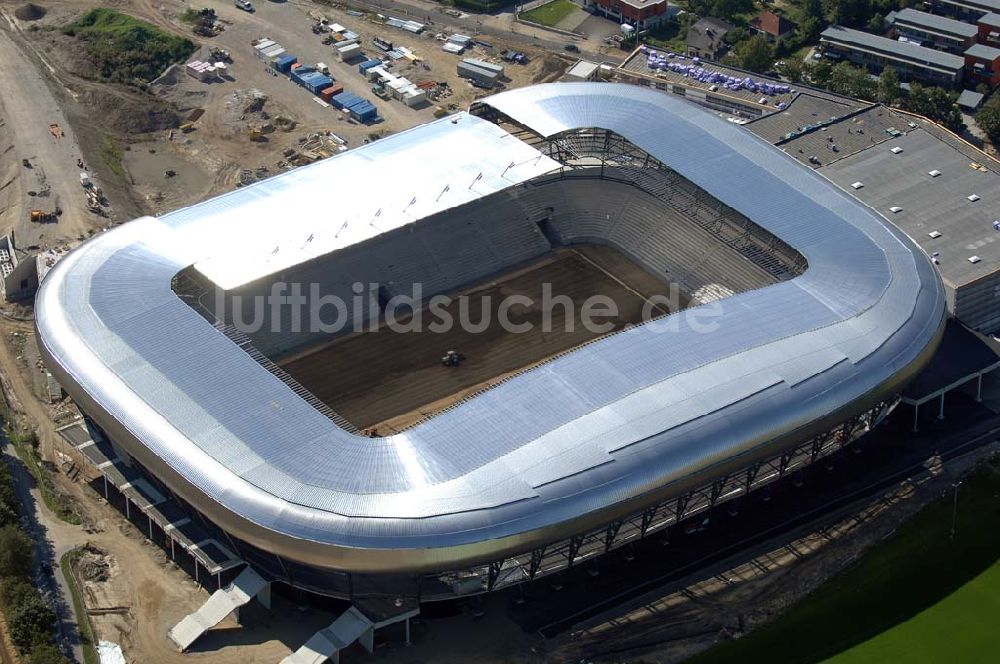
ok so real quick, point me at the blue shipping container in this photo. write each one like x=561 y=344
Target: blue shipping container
x=345 y=100
x=284 y=63
x=317 y=82
x=298 y=73
x=368 y=64
x=365 y=112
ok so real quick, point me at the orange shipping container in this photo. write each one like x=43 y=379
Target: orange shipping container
x=327 y=93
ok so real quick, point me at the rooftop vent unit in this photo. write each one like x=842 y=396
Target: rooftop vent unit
x=934 y=173
x=897 y=150
x=974 y=259
x=973 y=197
x=934 y=234
x=895 y=208
x=858 y=185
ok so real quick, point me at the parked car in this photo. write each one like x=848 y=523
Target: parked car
x=244 y=5
x=572 y=48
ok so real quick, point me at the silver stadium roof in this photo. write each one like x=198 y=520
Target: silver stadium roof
x=588 y=437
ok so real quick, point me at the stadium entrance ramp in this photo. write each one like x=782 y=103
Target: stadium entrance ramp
x=352 y=625
x=222 y=603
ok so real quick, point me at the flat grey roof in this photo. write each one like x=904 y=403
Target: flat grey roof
x=970 y=99
x=931 y=203
x=806 y=110
x=918 y=55
x=982 y=5
x=844 y=136
x=991 y=19
x=983 y=52
x=599 y=431
x=933 y=23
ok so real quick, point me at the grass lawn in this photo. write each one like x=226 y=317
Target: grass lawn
x=959 y=628
x=916 y=597
x=668 y=36
x=550 y=13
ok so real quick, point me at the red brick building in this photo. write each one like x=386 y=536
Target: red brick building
x=982 y=65
x=772 y=27
x=640 y=14
x=989 y=30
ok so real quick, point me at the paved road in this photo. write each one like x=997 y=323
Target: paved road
x=29 y=108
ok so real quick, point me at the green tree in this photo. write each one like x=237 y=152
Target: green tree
x=754 y=54
x=16 y=552
x=15 y=591
x=875 y=23
x=889 y=89
x=936 y=104
x=31 y=624
x=809 y=29
x=821 y=73
x=8 y=497
x=988 y=119
x=852 y=13
x=846 y=79
x=795 y=70
x=46 y=654
x=813 y=9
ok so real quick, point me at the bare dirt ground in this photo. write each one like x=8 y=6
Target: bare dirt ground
x=37 y=132
x=404 y=369
x=100 y=122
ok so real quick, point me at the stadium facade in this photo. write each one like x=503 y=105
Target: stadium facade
x=829 y=312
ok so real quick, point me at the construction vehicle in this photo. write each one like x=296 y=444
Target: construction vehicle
x=380 y=92
x=439 y=112
x=26 y=163
x=187 y=127
x=40 y=217
x=256 y=135
x=452 y=359
x=220 y=55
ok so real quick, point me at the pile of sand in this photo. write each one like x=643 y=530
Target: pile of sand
x=29 y=12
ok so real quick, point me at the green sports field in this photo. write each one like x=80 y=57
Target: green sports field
x=960 y=628
x=916 y=597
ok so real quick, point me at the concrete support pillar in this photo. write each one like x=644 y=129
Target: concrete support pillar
x=367 y=640
x=979 y=389
x=128 y=509
x=264 y=596
x=941 y=407
x=172 y=558
x=196 y=579
x=407 y=642
x=916 y=415
x=105 y=486
x=149 y=522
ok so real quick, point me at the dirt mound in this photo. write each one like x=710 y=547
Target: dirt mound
x=93 y=565
x=130 y=113
x=30 y=12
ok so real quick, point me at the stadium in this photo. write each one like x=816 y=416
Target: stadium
x=352 y=464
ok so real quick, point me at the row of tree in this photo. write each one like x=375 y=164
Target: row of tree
x=30 y=621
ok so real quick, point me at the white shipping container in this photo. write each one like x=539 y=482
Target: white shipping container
x=349 y=53
x=489 y=66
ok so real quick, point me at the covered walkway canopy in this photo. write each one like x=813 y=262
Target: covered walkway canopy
x=962 y=356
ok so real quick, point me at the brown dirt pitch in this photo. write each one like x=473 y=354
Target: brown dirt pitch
x=386 y=381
